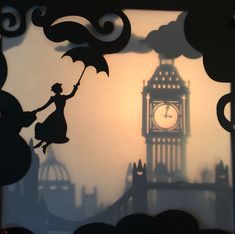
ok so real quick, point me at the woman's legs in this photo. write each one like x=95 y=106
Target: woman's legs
x=38 y=145
x=44 y=148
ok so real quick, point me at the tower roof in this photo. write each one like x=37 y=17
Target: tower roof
x=166 y=79
x=53 y=170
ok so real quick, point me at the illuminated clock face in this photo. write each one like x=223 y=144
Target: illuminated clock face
x=166 y=116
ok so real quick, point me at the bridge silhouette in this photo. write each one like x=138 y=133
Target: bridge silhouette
x=135 y=200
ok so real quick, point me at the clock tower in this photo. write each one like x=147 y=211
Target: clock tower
x=166 y=121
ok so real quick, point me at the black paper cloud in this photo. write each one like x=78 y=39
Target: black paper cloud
x=210 y=28
x=170 y=41
x=168 y=222
x=15 y=154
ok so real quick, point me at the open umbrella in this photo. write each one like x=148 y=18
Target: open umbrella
x=89 y=57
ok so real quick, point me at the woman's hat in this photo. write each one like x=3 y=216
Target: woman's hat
x=56 y=86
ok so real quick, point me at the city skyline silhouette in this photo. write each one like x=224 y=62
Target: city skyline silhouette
x=107 y=115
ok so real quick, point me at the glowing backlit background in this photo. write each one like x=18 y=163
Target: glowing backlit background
x=104 y=118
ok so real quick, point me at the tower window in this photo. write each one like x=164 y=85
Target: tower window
x=156 y=78
x=173 y=86
x=160 y=73
x=164 y=86
x=140 y=173
x=159 y=86
x=173 y=73
x=170 y=79
x=168 y=86
x=154 y=86
x=178 y=86
x=163 y=78
x=166 y=73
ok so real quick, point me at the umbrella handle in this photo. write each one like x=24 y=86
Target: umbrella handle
x=77 y=84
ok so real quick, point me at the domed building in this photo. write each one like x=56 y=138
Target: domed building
x=56 y=188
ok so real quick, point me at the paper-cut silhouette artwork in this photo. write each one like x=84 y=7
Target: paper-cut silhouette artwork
x=54 y=128
x=89 y=57
x=165 y=140
x=168 y=222
x=12 y=120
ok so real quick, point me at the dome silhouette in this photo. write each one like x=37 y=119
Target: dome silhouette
x=53 y=170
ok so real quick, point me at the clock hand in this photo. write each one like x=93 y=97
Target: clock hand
x=167 y=108
x=168 y=116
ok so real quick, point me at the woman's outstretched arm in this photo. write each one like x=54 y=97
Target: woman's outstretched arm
x=75 y=88
x=45 y=106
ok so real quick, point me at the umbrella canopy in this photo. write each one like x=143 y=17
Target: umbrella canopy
x=89 y=57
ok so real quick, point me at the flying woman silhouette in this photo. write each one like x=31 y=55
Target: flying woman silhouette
x=54 y=128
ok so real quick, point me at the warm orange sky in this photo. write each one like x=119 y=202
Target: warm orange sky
x=104 y=118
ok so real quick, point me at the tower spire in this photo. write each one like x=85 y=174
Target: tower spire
x=51 y=155
x=143 y=83
x=165 y=61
